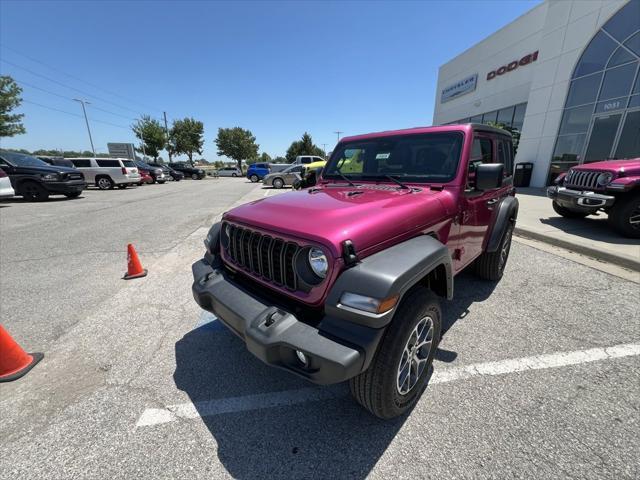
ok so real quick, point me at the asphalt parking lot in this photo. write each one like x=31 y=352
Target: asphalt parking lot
x=536 y=376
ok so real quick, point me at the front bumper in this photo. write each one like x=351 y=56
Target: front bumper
x=336 y=349
x=71 y=186
x=580 y=199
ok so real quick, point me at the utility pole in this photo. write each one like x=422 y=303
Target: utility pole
x=338 y=132
x=84 y=110
x=166 y=131
x=324 y=149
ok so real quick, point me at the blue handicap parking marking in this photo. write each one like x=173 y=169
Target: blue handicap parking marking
x=209 y=322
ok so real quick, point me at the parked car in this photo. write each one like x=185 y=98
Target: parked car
x=286 y=177
x=347 y=283
x=169 y=173
x=229 y=172
x=611 y=186
x=309 y=175
x=257 y=171
x=157 y=173
x=304 y=159
x=106 y=173
x=145 y=176
x=57 y=161
x=36 y=180
x=188 y=171
x=6 y=190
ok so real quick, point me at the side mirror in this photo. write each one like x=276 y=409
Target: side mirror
x=489 y=176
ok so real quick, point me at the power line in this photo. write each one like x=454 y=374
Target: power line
x=78 y=78
x=71 y=113
x=67 y=86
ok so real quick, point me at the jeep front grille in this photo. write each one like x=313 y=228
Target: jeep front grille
x=582 y=179
x=268 y=257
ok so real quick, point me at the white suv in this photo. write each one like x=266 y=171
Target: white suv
x=106 y=173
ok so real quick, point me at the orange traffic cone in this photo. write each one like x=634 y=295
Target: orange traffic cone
x=14 y=361
x=134 y=267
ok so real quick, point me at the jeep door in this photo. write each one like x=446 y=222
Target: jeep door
x=479 y=208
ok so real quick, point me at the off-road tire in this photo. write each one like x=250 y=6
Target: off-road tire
x=567 y=212
x=33 y=192
x=254 y=178
x=624 y=211
x=376 y=388
x=72 y=195
x=278 y=183
x=490 y=265
x=104 y=183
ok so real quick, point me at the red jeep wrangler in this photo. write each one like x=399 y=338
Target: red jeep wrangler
x=342 y=281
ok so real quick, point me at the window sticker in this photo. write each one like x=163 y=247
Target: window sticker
x=382 y=156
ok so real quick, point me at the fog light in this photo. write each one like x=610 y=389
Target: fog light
x=302 y=358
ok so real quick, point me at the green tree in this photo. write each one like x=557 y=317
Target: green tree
x=304 y=146
x=264 y=157
x=10 y=124
x=279 y=159
x=237 y=143
x=186 y=136
x=151 y=134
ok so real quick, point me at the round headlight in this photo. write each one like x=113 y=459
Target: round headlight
x=604 y=179
x=318 y=262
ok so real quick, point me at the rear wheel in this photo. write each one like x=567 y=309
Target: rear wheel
x=567 y=212
x=490 y=265
x=234 y=175
x=624 y=217
x=104 y=183
x=400 y=368
x=161 y=182
x=278 y=183
x=33 y=192
x=254 y=178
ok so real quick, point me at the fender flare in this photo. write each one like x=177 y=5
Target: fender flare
x=507 y=211
x=390 y=272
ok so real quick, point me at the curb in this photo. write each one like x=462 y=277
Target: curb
x=619 y=260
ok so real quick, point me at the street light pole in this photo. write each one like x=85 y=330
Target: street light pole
x=84 y=110
x=338 y=132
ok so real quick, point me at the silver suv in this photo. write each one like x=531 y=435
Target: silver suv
x=106 y=173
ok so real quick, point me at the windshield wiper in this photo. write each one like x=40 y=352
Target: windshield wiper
x=394 y=179
x=344 y=177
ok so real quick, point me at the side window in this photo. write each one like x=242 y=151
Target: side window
x=297 y=169
x=306 y=160
x=505 y=156
x=3 y=162
x=481 y=152
x=81 y=163
x=108 y=163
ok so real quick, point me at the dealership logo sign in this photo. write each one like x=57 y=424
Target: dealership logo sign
x=526 y=60
x=465 y=85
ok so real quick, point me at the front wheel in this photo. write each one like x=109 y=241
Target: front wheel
x=194 y=176
x=33 y=192
x=567 y=212
x=400 y=368
x=490 y=265
x=234 y=175
x=278 y=183
x=624 y=217
x=254 y=178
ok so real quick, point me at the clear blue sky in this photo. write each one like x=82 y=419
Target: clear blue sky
x=276 y=68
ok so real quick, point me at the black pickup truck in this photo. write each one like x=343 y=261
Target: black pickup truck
x=35 y=180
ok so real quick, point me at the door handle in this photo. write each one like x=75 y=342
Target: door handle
x=493 y=201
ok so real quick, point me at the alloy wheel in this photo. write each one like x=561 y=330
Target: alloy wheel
x=506 y=246
x=415 y=355
x=634 y=218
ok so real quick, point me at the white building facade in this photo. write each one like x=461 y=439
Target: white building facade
x=565 y=75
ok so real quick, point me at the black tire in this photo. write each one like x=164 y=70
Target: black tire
x=122 y=186
x=278 y=183
x=33 y=192
x=161 y=182
x=254 y=178
x=194 y=176
x=72 y=195
x=624 y=217
x=490 y=265
x=139 y=184
x=234 y=175
x=377 y=389
x=567 y=212
x=104 y=183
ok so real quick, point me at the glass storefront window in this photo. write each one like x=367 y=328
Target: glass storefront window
x=584 y=90
x=596 y=55
x=633 y=44
x=601 y=138
x=568 y=147
x=518 y=116
x=617 y=81
x=505 y=116
x=634 y=101
x=490 y=117
x=625 y=22
x=619 y=57
x=576 y=120
x=629 y=143
x=612 y=105
x=476 y=119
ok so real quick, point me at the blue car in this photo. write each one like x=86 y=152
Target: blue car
x=258 y=171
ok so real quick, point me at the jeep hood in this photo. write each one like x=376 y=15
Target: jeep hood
x=630 y=167
x=367 y=215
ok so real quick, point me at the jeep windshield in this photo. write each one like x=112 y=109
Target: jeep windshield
x=21 y=160
x=427 y=157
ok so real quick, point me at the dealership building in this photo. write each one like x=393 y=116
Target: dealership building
x=565 y=75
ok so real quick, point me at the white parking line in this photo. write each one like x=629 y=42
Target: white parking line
x=171 y=413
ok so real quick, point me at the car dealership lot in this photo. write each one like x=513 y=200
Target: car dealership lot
x=138 y=381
